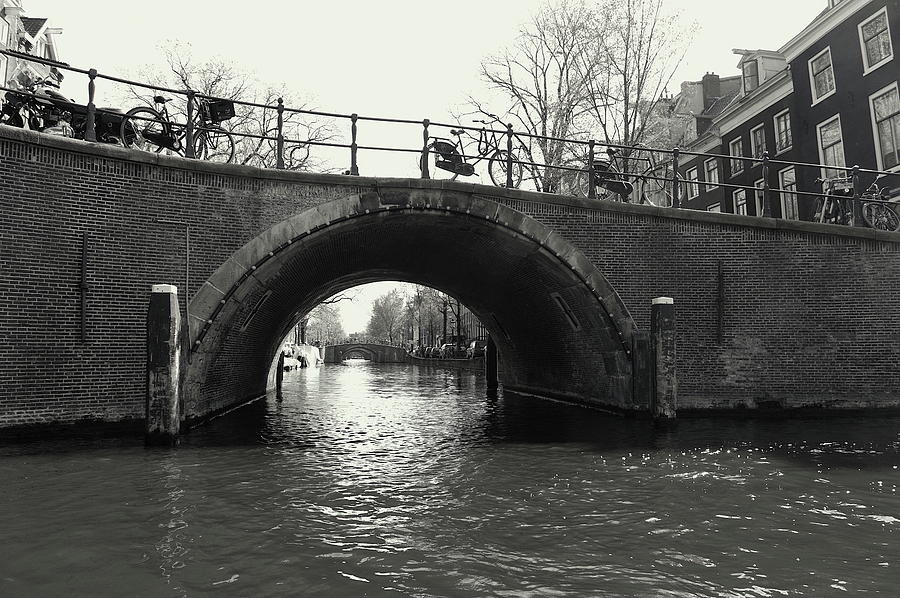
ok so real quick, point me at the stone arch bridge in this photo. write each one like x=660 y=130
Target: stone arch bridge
x=769 y=312
x=371 y=351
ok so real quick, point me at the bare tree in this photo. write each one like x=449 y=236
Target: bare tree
x=580 y=71
x=326 y=313
x=386 y=320
x=637 y=51
x=324 y=324
x=542 y=82
x=222 y=79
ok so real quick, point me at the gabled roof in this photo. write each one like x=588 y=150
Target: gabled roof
x=731 y=86
x=33 y=26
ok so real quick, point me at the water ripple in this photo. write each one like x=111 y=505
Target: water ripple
x=386 y=480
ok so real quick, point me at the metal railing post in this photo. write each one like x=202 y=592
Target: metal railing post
x=90 y=123
x=423 y=161
x=354 y=166
x=676 y=201
x=189 y=128
x=279 y=136
x=591 y=175
x=767 y=199
x=509 y=156
x=857 y=204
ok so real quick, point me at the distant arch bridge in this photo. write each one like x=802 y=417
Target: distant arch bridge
x=371 y=351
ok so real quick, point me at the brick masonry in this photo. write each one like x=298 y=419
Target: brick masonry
x=810 y=317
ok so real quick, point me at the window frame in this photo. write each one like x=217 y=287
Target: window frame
x=875 y=139
x=692 y=184
x=867 y=68
x=744 y=64
x=740 y=157
x=734 y=201
x=714 y=207
x=790 y=135
x=792 y=195
x=4 y=32
x=812 y=81
x=827 y=121
x=710 y=185
x=753 y=149
x=759 y=198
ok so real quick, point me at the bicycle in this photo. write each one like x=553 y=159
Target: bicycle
x=613 y=178
x=443 y=154
x=835 y=205
x=153 y=130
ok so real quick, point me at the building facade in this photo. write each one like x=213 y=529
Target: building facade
x=828 y=96
x=28 y=35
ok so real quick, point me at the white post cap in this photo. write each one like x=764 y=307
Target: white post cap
x=662 y=301
x=164 y=288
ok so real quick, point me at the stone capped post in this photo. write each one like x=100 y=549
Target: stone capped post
x=662 y=333
x=163 y=360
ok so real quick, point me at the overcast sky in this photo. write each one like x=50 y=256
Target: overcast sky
x=405 y=59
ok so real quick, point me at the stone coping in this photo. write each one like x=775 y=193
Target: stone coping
x=489 y=192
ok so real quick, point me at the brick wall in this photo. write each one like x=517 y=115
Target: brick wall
x=810 y=317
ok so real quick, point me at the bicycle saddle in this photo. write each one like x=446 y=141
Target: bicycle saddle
x=160 y=99
x=456 y=132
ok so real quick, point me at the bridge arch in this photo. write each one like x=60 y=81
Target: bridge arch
x=561 y=329
x=362 y=352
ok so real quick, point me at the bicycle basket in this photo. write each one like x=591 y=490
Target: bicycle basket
x=216 y=110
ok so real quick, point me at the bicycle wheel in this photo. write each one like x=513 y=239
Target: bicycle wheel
x=581 y=185
x=440 y=153
x=214 y=144
x=881 y=216
x=497 y=169
x=656 y=186
x=144 y=129
x=829 y=210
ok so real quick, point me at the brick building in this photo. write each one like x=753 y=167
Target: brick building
x=29 y=35
x=827 y=96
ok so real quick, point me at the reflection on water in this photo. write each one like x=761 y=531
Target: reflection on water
x=372 y=479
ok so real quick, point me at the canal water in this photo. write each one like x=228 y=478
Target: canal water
x=388 y=480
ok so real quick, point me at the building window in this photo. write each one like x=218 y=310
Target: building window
x=736 y=148
x=821 y=75
x=885 y=110
x=740 y=201
x=759 y=196
x=787 y=182
x=712 y=173
x=758 y=141
x=783 y=137
x=751 y=75
x=3 y=62
x=831 y=147
x=4 y=32
x=713 y=207
x=875 y=39
x=692 y=189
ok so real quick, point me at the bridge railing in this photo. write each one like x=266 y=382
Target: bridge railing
x=657 y=174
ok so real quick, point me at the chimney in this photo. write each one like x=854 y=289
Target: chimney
x=711 y=89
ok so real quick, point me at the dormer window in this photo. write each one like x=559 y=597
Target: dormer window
x=751 y=75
